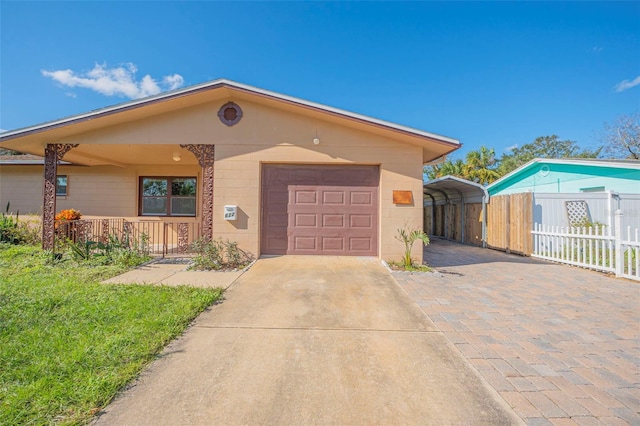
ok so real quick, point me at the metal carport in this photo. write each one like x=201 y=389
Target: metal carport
x=456 y=209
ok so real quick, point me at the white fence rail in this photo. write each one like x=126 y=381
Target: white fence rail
x=628 y=262
x=600 y=248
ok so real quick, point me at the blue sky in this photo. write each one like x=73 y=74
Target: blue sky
x=498 y=74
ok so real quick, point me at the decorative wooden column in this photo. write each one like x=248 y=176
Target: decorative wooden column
x=53 y=153
x=183 y=237
x=205 y=154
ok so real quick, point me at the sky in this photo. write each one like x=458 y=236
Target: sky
x=497 y=74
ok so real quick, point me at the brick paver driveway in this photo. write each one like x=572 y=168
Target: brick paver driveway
x=560 y=344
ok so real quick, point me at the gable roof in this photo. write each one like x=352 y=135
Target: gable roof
x=586 y=162
x=193 y=95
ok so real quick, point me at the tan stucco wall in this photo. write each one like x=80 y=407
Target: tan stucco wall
x=22 y=187
x=264 y=135
x=95 y=191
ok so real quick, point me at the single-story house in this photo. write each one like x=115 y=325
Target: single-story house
x=277 y=174
x=570 y=175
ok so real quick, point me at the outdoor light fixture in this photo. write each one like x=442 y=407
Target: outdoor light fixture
x=316 y=141
x=176 y=156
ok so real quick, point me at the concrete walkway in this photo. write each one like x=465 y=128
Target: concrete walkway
x=560 y=344
x=311 y=340
x=164 y=272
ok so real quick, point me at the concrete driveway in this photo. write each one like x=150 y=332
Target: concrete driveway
x=560 y=344
x=311 y=340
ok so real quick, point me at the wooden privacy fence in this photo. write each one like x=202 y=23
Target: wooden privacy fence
x=445 y=220
x=510 y=222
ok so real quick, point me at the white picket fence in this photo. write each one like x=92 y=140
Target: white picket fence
x=603 y=248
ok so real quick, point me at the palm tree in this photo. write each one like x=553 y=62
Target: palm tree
x=480 y=166
x=454 y=168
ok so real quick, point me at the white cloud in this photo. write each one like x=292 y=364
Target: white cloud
x=626 y=84
x=120 y=81
x=173 y=81
x=3 y=130
x=510 y=148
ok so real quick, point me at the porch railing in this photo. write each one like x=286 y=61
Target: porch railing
x=602 y=248
x=159 y=238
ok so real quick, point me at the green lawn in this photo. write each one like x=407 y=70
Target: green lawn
x=68 y=343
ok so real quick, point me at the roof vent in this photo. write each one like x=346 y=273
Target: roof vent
x=230 y=113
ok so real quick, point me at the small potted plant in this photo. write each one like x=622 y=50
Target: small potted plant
x=64 y=222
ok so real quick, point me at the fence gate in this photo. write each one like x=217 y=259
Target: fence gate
x=509 y=223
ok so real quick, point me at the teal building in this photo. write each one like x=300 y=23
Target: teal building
x=570 y=176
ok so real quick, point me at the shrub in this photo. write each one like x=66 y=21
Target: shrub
x=69 y=214
x=14 y=231
x=219 y=254
x=408 y=237
x=113 y=252
x=9 y=227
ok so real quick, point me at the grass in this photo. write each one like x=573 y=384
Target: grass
x=398 y=266
x=68 y=343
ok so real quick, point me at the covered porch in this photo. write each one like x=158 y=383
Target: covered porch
x=169 y=212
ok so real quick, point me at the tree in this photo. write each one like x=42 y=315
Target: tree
x=622 y=138
x=454 y=168
x=480 y=166
x=543 y=147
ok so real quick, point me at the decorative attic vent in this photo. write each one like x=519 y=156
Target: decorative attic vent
x=230 y=113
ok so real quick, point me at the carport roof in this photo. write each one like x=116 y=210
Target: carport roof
x=452 y=187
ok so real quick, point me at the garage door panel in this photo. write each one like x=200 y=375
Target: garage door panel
x=333 y=220
x=333 y=197
x=305 y=220
x=305 y=243
x=306 y=197
x=329 y=209
x=333 y=244
x=361 y=198
x=360 y=244
x=360 y=221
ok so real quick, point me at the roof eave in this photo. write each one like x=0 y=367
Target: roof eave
x=526 y=166
x=454 y=143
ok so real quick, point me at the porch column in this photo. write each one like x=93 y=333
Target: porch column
x=205 y=154
x=53 y=153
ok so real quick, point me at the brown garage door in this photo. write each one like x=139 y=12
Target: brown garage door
x=330 y=210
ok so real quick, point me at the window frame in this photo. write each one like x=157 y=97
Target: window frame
x=169 y=180
x=66 y=186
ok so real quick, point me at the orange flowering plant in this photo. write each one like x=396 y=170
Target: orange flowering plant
x=69 y=214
